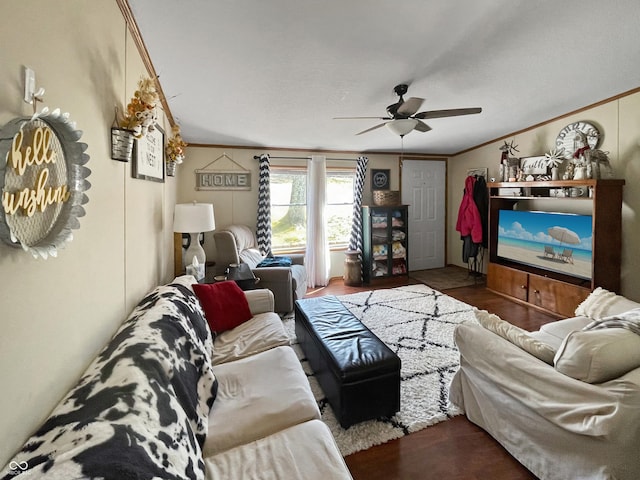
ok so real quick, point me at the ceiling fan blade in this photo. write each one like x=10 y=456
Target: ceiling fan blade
x=410 y=106
x=361 y=118
x=421 y=126
x=372 y=128
x=447 y=113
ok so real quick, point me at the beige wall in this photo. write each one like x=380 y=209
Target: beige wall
x=239 y=207
x=56 y=314
x=619 y=121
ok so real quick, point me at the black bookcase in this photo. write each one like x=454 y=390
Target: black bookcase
x=385 y=241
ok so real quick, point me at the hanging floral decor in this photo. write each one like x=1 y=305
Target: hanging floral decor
x=175 y=146
x=174 y=150
x=141 y=114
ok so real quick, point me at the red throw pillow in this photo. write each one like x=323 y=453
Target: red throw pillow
x=224 y=303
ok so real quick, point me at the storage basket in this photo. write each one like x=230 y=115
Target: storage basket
x=386 y=197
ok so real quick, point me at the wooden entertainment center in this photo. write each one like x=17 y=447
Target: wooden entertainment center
x=551 y=291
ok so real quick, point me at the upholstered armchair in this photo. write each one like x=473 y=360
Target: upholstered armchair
x=237 y=244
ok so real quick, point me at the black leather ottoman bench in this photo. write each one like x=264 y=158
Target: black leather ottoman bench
x=358 y=373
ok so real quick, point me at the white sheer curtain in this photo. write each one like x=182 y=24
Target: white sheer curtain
x=317 y=256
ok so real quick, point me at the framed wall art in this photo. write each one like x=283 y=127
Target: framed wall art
x=380 y=179
x=148 y=156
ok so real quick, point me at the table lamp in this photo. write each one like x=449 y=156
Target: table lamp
x=194 y=218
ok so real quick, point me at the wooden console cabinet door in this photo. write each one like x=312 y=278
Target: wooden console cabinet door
x=559 y=297
x=509 y=281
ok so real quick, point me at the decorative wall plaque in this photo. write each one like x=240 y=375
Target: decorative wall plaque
x=566 y=137
x=209 y=179
x=148 y=156
x=42 y=181
x=380 y=179
x=223 y=180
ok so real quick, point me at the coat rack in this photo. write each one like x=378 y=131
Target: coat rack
x=473 y=253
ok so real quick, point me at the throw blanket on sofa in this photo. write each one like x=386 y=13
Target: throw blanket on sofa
x=140 y=411
x=628 y=320
x=275 y=262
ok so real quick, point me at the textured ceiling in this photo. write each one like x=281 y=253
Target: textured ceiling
x=275 y=73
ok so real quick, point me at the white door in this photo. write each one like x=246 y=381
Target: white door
x=424 y=190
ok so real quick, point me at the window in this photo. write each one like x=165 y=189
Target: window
x=289 y=207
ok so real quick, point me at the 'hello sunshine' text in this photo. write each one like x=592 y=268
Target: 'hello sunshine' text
x=36 y=153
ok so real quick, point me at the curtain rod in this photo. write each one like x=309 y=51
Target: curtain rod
x=257 y=157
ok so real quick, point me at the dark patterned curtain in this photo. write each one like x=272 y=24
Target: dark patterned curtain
x=263 y=226
x=355 y=242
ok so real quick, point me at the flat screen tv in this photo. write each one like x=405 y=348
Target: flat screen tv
x=558 y=242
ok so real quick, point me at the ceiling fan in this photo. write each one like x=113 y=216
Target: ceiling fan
x=402 y=117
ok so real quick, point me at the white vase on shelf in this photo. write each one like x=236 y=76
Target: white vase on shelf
x=580 y=173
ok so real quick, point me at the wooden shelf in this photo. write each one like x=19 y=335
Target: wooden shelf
x=559 y=183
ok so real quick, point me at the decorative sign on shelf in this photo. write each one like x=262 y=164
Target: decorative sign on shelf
x=43 y=180
x=207 y=179
x=534 y=165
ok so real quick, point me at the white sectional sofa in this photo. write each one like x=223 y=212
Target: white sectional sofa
x=167 y=399
x=565 y=400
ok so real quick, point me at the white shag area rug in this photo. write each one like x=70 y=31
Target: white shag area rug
x=417 y=323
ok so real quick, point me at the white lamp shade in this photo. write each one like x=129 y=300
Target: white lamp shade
x=402 y=126
x=193 y=218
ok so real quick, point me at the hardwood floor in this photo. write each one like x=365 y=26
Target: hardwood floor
x=455 y=449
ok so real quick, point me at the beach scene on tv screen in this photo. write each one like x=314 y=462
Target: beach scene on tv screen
x=553 y=241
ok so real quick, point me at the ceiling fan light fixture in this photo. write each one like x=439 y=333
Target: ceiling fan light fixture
x=402 y=126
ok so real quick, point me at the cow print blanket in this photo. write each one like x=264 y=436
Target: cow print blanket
x=140 y=410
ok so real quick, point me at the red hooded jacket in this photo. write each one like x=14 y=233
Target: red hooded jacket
x=469 y=222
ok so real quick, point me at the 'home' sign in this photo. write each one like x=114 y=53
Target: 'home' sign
x=223 y=180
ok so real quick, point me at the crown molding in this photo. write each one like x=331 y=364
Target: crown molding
x=125 y=8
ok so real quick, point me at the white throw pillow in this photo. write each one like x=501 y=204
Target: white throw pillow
x=596 y=356
x=602 y=303
x=516 y=335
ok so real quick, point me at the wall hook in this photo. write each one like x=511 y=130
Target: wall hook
x=37 y=97
x=31 y=95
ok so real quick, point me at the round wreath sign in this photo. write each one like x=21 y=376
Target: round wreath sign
x=43 y=182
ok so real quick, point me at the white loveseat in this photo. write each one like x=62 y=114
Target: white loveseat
x=164 y=399
x=563 y=401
